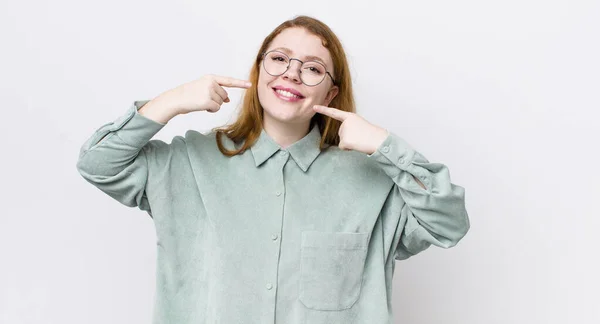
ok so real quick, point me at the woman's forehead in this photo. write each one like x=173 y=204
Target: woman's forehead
x=297 y=42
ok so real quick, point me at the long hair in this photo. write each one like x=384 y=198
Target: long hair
x=248 y=125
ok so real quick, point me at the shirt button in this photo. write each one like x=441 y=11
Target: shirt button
x=278 y=193
x=269 y=286
x=283 y=152
x=385 y=149
x=274 y=237
x=401 y=161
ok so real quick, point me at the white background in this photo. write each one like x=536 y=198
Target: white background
x=505 y=93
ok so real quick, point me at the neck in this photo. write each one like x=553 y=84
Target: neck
x=285 y=134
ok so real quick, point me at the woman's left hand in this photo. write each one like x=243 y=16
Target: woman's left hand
x=356 y=133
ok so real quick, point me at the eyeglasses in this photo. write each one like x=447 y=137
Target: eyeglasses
x=312 y=73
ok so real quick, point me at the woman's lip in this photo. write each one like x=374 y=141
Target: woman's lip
x=293 y=91
x=294 y=99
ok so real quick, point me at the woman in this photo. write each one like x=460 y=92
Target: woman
x=297 y=214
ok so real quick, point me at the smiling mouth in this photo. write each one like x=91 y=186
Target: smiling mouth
x=287 y=95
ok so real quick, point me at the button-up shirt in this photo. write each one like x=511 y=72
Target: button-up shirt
x=274 y=235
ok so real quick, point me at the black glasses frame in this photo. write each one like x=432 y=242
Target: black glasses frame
x=290 y=63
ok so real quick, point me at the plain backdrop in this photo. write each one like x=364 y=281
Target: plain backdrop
x=505 y=93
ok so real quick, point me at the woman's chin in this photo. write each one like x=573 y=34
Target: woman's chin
x=284 y=113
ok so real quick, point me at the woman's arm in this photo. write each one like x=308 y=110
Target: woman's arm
x=114 y=158
x=434 y=209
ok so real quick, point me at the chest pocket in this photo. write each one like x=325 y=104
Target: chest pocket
x=331 y=269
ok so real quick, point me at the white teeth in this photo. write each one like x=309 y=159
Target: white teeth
x=287 y=94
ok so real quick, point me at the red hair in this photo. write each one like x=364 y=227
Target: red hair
x=248 y=125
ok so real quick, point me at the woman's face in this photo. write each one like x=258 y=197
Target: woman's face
x=296 y=43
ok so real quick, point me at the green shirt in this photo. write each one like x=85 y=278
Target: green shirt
x=290 y=236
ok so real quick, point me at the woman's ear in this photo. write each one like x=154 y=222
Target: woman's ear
x=330 y=95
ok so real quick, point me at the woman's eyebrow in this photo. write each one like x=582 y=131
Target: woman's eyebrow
x=306 y=57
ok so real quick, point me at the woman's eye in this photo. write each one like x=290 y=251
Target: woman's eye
x=315 y=70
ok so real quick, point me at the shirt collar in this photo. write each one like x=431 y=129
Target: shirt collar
x=303 y=151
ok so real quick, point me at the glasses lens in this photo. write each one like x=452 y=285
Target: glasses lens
x=311 y=73
x=276 y=63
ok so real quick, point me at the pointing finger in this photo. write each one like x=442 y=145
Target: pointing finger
x=231 y=82
x=332 y=112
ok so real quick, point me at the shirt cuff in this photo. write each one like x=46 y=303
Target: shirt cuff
x=394 y=151
x=134 y=128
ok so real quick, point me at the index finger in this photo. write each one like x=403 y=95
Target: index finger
x=232 y=82
x=332 y=112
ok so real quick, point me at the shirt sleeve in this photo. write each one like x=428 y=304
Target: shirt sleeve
x=436 y=215
x=115 y=157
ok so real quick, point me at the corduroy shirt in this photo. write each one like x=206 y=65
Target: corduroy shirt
x=274 y=235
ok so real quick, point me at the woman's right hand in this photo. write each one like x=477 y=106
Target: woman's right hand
x=205 y=93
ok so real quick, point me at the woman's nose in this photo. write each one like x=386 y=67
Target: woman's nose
x=293 y=72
